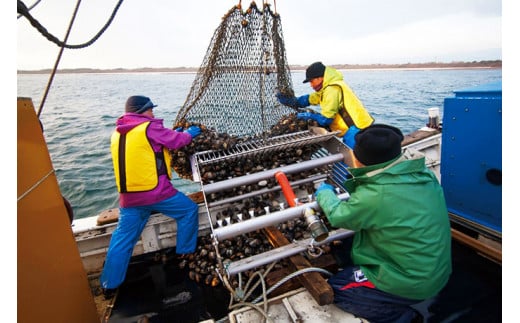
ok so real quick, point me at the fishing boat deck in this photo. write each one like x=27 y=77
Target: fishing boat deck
x=156 y=290
x=160 y=292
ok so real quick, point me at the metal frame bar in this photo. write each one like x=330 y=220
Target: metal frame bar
x=266 y=220
x=282 y=252
x=256 y=177
x=317 y=178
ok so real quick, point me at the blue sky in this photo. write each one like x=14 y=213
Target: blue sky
x=167 y=33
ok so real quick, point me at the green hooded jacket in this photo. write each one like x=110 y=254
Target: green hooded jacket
x=398 y=211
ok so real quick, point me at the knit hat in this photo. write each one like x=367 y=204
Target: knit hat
x=314 y=70
x=138 y=104
x=377 y=144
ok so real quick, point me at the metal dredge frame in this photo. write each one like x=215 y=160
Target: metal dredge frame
x=270 y=145
x=332 y=153
x=244 y=67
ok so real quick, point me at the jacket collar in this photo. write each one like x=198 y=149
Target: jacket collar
x=372 y=170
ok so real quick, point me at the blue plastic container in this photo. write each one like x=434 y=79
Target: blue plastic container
x=471 y=155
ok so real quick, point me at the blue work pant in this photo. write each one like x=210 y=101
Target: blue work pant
x=355 y=296
x=131 y=223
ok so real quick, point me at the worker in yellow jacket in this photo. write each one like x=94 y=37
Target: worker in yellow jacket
x=140 y=147
x=341 y=110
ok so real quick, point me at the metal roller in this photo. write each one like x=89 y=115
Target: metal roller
x=283 y=252
x=256 y=177
x=266 y=220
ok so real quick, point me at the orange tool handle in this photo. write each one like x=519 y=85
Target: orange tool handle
x=286 y=188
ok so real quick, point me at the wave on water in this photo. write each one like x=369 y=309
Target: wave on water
x=81 y=109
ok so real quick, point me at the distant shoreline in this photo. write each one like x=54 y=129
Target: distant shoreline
x=496 y=64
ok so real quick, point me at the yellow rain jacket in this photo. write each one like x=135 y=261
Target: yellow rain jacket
x=338 y=101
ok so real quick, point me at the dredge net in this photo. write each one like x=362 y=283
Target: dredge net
x=244 y=67
x=233 y=96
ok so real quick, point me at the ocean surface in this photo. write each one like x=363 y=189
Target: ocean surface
x=81 y=109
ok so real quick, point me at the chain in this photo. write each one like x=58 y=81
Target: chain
x=24 y=11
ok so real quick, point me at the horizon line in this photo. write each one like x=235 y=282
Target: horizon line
x=483 y=63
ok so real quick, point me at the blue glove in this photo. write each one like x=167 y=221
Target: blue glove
x=323 y=187
x=304 y=115
x=293 y=102
x=180 y=129
x=303 y=101
x=194 y=131
x=349 y=138
x=320 y=119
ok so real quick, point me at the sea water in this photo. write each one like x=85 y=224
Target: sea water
x=80 y=111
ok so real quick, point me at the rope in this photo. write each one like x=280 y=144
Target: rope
x=256 y=307
x=30 y=8
x=260 y=281
x=24 y=11
x=51 y=78
x=291 y=276
x=35 y=185
x=265 y=292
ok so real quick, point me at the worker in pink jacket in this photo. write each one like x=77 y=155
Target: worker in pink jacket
x=140 y=148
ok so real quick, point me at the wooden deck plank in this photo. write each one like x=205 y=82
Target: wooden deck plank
x=418 y=135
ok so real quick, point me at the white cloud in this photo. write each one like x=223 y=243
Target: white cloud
x=171 y=33
x=447 y=38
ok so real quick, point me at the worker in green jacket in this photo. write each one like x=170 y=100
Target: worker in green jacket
x=401 y=250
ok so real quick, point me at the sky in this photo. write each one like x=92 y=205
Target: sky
x=169 y=33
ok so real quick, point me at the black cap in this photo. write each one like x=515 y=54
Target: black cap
x=377 y=144
x=314 y=70
x=138 y=104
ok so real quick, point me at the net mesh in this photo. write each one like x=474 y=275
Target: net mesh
x=244 y=67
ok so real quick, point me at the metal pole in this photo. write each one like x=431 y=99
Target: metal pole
x=256 y=177
x=282 y=252
x=244 y=196
x=266 y=220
